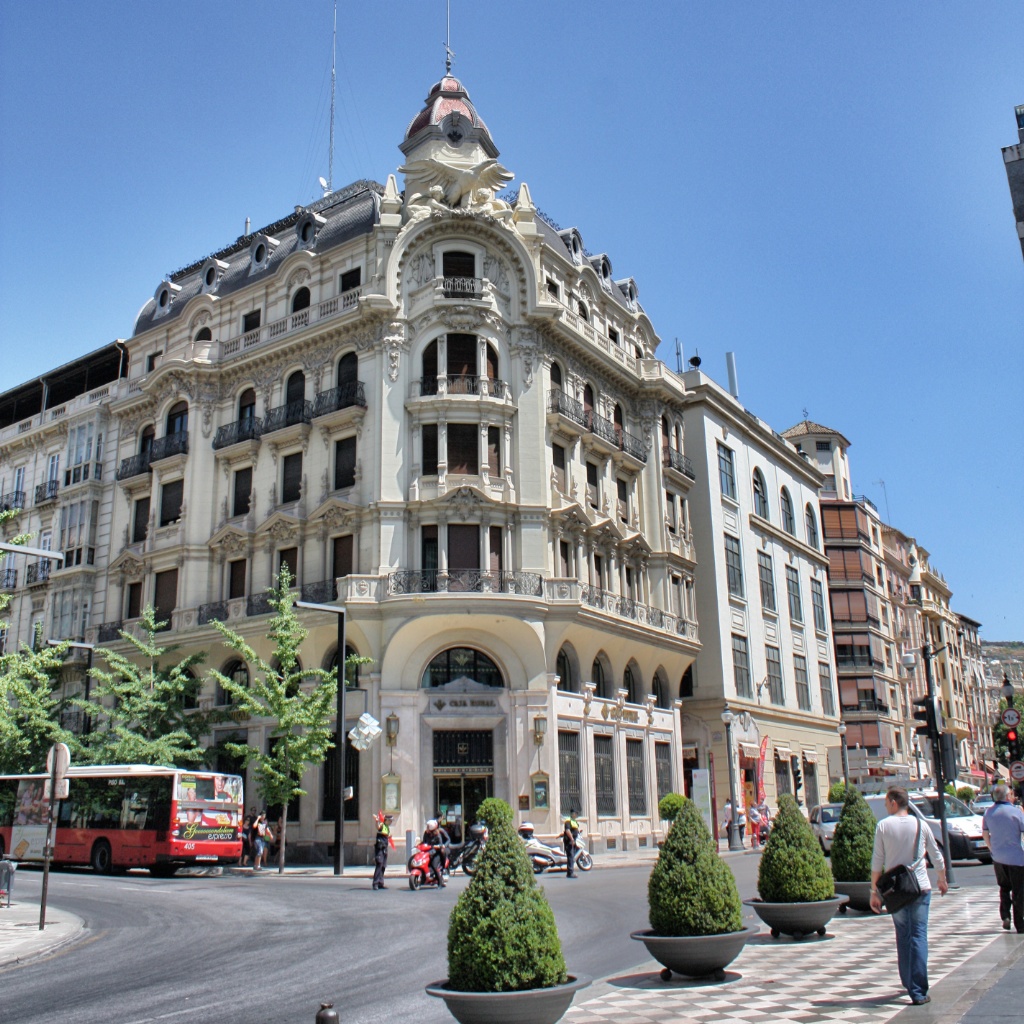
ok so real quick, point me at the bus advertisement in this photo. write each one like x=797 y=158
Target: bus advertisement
x=126 y=816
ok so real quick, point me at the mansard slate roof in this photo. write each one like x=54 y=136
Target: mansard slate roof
x=350 y=212
x=808 y=427
x=445 y=97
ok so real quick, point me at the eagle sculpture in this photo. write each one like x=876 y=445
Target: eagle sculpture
x=457 y=184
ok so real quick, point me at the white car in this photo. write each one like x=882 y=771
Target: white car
x=824 y=819
x=981 y=803
x=964 y=826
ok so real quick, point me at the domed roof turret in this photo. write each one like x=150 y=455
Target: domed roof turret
x=448 y=112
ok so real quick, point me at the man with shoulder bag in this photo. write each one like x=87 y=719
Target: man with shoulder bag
x=899 y=880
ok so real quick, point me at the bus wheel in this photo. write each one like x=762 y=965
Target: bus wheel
x=101 y=859
x=163 y=870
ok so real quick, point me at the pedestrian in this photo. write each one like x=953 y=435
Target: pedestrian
x=741 y=819
x=261 y=836
x=901 y=838
x=247 y=839
x=570 y=833
x=754 y=817
x=1003 y=830
x=382 y=842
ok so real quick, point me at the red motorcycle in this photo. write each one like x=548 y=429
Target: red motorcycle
x=420 y=872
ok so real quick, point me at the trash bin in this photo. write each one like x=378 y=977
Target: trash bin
x=7 y=869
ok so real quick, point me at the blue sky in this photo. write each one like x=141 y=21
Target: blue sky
x=816 y=187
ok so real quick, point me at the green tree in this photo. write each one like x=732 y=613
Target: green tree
x=301 y=735
x=30 y=707
x=502 y=935
x=691 y=889
x=793 y=869
x=854 y=840
x=139 y=704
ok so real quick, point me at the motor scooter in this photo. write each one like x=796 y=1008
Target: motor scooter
x=421 y=875
x=552 y=858
x=463 y=855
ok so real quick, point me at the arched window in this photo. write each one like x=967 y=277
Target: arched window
x=583 y=311
x=428 y=383
x=760 y=496
x=351 y=671
x=177 y=418
x=812 y=525
x=567 y=681
x=146 y=439
x=660 y=690
x=300 y=300
x=247 y=405
x=204 y=334
x=556 y=377
x=492 y=362
x=788 y=519
x=237 y=672
x=619 y=422
x=686 y=683
x=679 y=438
x=348 y=369
x=588 y=401
x=599 y=679
x=460 y=662
x=295 y=390
x=665 y=433
x=629 y=685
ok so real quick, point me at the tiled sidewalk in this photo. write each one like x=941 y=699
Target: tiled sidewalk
x=850 y=975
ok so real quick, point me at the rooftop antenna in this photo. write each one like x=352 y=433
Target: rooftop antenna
x=448 y=52
x=881 y=483
x=679 y=357
x=329 y=186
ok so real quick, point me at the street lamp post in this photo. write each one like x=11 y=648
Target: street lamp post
x=735 y=842
x=927 y=653
x=841 y=729
x=339 y=752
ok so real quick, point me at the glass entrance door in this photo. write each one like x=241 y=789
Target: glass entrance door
x=457 y=798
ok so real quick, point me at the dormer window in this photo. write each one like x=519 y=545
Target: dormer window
x=164 y=297
x=307 y=228
x=212 y=272
x=260 y=252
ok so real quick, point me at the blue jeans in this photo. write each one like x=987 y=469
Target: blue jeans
x=911 y=924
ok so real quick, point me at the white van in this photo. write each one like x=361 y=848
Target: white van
x=962 y=824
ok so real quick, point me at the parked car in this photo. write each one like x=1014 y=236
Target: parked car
x=824 y=819
x=981 y=803
x=962 y=824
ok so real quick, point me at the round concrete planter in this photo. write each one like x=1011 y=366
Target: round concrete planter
x=859 y=893
x=797 y=919
x=530 y=1006
x=694 y=956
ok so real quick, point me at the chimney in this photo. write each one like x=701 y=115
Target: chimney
x=734 y=384
x=247 y=225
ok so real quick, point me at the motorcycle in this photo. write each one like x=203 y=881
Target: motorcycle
x=420 y=872
x=552 y=858
x=464 y=854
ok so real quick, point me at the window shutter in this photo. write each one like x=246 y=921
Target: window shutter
x=171 y=496
x=289 y=557
x=494 y=451
x=558 y=461
x=497 y=561
x=134 y=600
x=430 y=449
x=463 y=547
x=291 y=485
x=140 y=526
x=236 y=584
x=166 y=594
x=464 y=448
x=342 y=560
x=344 y=463
x=243 y=491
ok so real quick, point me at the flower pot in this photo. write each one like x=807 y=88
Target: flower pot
x=694 y=956
x=797 y=919
x=859 y=893
x=529 y=1006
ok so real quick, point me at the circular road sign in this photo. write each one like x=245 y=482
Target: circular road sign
x=1017 y=771
x=1011 y=717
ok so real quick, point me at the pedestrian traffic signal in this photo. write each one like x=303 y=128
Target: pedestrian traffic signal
x=929 y=716
x=798 y=778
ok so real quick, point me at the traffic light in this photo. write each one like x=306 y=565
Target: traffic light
x=929 y=716
x=1013 y=744
x=798 y=778
x=947 y=750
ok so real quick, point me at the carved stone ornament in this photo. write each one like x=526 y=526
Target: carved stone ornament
x=393 y=343
x=421 y=269
x=234 y=544
x=301 y=276
x=281 y=532
x=335 y=518
x=131 y=570
x=495 y=272
x=464 y=502
x=201 y=318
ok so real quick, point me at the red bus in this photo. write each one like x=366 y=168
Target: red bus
x=126 y=816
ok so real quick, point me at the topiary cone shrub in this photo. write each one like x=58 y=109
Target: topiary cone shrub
x=501 y=934
x=837 y=793
x=670 y=805
x=854 y=840
x=793 y=868
x=691 y=889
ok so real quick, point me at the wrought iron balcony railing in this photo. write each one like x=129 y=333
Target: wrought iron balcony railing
x=322 y=592
x=248 y=429
x=258 y=604
x=109 y=631
x=12 y=500
x=462 y=287
x=215 y=610
x=8 y=579
x=463 y=581
x=37 y=572
x=677 y=461
x=463 y=384
x=134 y=465
x=47 y=492
x=564 y=405
x=300 y=411
x=344 y=396
x=170 y=444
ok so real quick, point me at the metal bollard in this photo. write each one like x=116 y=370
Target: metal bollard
x=327 y=1014
x=410 y=844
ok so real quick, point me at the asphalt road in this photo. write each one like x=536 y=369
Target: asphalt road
x=238 y=949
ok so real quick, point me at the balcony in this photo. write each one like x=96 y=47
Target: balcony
x=12 y=500
x=671 y=459
x=8 y=579
x=463 y=581
x=258 y=604
x=322 y=592
x=37 y=572
x=47 y=492
x=290 y=415
x=134 y=465
x=561 y=404
x=612 y=435
x=248 y=429
x=169 y=445
x=462 y=287
x=208 y=612
x=345 y=396
x=868 y=704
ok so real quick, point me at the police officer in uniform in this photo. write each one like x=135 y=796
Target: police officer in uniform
x=569 y=834
x=381 y=844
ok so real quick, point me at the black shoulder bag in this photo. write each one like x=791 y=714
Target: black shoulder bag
x=899 y=885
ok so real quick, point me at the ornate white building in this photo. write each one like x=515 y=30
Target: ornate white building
x=442 y=412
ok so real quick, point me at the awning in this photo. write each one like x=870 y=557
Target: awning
x=782 y=752
x=751 y=750
x=811 y=756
